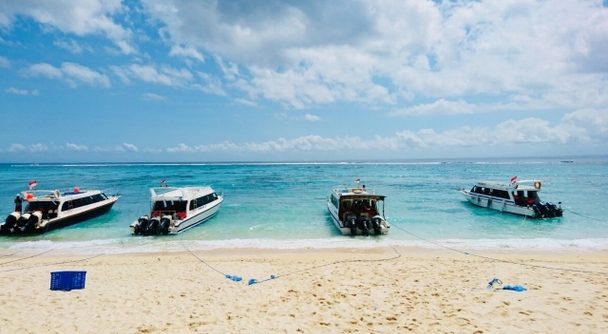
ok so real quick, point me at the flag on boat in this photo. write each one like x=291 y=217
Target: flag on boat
x=513 y=179
x=31 y=184
x=357 y=180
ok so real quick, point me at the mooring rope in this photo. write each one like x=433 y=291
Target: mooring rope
x=50 y=264
x=255 y=281
x=500 y=260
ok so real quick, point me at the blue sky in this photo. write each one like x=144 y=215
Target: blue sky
x=287 y=80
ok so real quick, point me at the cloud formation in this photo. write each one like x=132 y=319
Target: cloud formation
x=70 y=73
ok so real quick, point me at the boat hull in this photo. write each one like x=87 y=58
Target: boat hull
x=68 y=220
x=502 y=205
x=197 y=219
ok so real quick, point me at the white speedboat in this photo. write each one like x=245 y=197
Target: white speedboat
x=174 y=210
x=356 y=211
x=517 y=197
x=47 y=210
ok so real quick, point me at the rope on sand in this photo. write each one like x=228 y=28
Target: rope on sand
x=501 y=260
x=47 y=264
x=255 y=281
x=228 y=276
x=27 y=257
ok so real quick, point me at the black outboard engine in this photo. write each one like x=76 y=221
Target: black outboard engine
x=559 y=212
x=165 y=222
x=376 y=220
x=551 y=209
x=153 y=225
x=351 y=221
x=540 y=209
x=10 y=221
x=32 y=222
x=21 y=222
x=365 y=225
x=142 y=225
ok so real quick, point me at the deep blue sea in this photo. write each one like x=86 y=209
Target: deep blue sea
x=283 y=205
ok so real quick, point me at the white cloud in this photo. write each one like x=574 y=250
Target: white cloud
x=312 y=118
x=165 y=75
x=302 y=54
x=79 y=17
x=130 y=147
x=69 y=45
x=439 y=107
x=85 y=74
x=188 y=51
x=527 y=131
x=245 y=102
x=69 y=72
x=212 y=85
x=14 y=90
x=75 y=147
x=154 y=97
x=28 y=148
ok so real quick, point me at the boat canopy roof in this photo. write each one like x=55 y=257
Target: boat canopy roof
x=357 y=193
x=178 y=194
x=529 y=185
x=51 y=195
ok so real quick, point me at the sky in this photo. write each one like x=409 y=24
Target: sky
x=292 y=80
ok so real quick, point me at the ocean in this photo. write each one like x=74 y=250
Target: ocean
x=283 y=205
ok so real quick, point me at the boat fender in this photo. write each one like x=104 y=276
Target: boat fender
x=537 y=185
x=57 y=193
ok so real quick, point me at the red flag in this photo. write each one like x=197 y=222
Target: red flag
x=513 y=179
x=31 y=184
x=357 y=180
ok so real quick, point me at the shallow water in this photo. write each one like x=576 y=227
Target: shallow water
x=275 y=205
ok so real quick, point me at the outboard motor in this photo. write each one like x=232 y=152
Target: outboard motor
x=559 y=212
x=552 y=209
x=364 y=225
x=10 y=221
x=32 y=222
x=165 y=222
x=21 y=222
x=153 y=225
x=142 y=225
x=351 y=221
x=376 y=221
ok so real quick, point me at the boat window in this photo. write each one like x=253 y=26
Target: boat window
x=159 y=205
x=78 y=203
x=37 y=206
x=501 y=193
x=534 y=195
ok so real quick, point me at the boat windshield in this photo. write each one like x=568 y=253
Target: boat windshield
x=40 y=206
x=169 y=206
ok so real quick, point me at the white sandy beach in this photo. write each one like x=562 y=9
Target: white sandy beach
x=420 y=291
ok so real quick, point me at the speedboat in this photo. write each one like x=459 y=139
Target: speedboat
x=51 y=209
x=356 y=211
x=517 y=197
x=174 y=210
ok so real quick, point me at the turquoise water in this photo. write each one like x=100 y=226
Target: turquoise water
x=276 y=205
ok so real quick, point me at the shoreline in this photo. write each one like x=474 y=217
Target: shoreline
x=314 y=290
